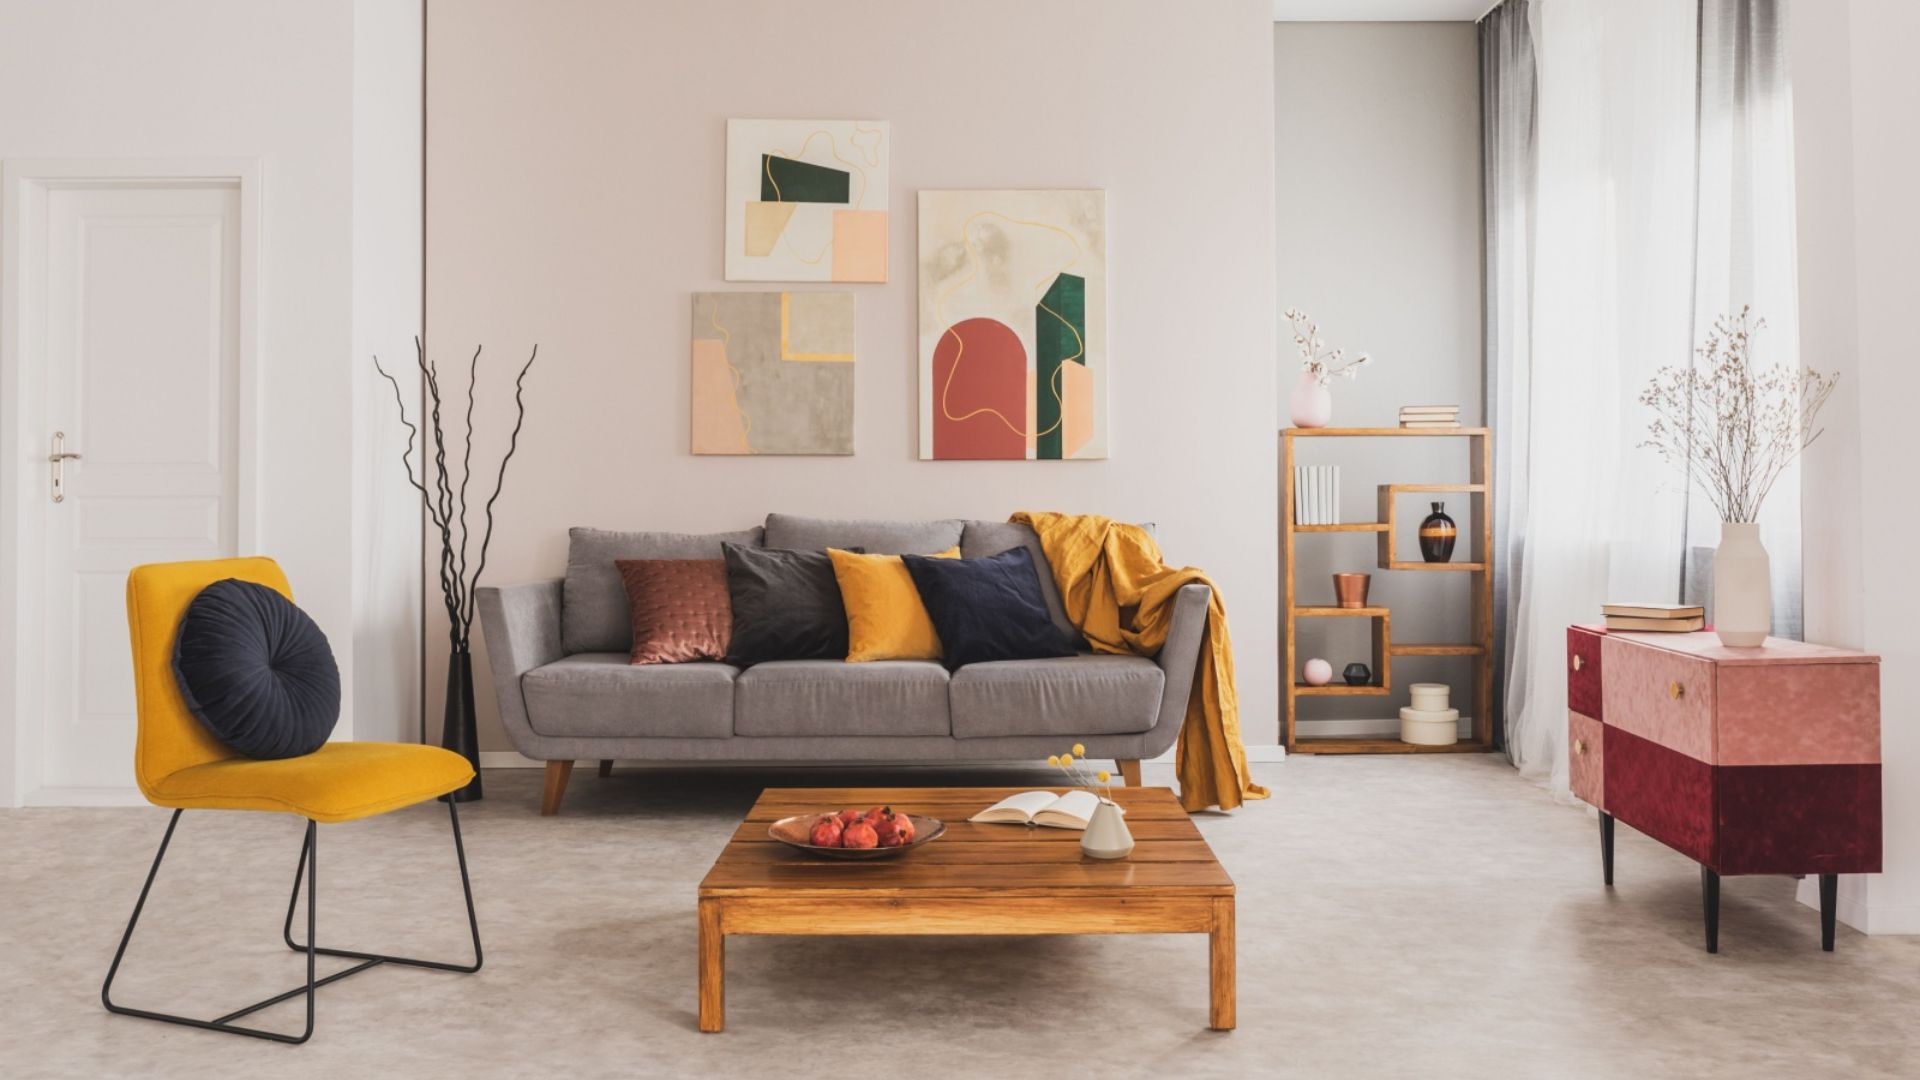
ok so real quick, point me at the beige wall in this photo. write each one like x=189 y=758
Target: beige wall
x=1378 y=211
x=575 y=168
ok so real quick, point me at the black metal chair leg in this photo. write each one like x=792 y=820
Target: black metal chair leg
x=473 y=922
x=225 y=1023
x=1606 y=849
x=307 y=869
x=1829 y=908
x=1710 y=906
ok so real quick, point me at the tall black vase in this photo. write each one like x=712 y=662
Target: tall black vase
x=1437 y=534
x=458 y=734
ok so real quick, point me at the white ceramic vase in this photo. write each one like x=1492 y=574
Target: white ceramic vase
x=1107 y=836
x=1742 y=586
x=1311 y=404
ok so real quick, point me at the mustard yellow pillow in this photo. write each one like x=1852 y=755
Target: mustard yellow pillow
x=885 y=618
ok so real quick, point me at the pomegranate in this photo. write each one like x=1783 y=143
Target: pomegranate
x=826 y=832
x=859 y=835
x=894 y=829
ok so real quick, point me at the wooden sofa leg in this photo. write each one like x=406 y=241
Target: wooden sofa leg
x=606 y=768
x=1130 y=770
x=558 y=773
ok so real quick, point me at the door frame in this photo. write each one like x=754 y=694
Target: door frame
x=25 y=184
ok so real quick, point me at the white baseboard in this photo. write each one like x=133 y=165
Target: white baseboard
x=84 y=796
x=1854 y=909
x=513 y=759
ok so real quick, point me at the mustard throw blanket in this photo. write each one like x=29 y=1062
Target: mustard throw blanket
x=1120 y=593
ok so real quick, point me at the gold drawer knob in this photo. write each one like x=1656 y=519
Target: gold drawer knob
x=1676 y=691
x=1579 y=661
x=1579 y=746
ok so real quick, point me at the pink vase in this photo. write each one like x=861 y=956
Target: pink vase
x=1311 y=404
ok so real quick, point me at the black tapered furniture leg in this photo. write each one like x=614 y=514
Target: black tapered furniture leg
x=1710 y=906
x=1829 y=908
x=1606 y=849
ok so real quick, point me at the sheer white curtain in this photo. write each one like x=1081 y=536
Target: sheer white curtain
x=1612 y=289
x=1662 y=197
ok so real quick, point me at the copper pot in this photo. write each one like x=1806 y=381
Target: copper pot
x=1350 y=590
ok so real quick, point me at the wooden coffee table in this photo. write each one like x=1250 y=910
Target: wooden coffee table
x=977 y=879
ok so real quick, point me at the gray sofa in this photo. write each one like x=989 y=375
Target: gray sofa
x=558 y=650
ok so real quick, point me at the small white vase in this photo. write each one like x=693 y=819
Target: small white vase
x=1106 y=836
x=1742 y=586
x=1312 y=403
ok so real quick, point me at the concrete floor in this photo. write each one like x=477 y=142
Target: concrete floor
x=1431 y=917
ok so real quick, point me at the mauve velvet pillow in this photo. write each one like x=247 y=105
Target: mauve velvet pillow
x=681 y=609
x=987 y=609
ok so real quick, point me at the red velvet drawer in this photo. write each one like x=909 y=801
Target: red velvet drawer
x=1583 y=672
x=1663 y=793
x=1798 y=819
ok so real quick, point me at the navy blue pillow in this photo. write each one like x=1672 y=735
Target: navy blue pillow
x=256 y=671
x=987 y=609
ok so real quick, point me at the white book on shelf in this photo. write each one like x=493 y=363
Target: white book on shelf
x=1333 y=496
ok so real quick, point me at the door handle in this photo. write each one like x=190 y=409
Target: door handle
x=58 y=457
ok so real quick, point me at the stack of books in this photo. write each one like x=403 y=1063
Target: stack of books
x=1316 y=495
x=1660 y=618
x=1429 y=416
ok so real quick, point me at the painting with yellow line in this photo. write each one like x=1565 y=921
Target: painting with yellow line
x=806 y=200
x=772 y=373
x=1013 y=351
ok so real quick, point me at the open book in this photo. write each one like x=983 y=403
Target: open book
x=1069 y=811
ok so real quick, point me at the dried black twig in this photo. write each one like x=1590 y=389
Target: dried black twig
x=446 y=504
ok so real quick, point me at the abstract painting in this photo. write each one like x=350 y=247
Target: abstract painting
x=773 y=373
x=1013 y=324
x=807 y=200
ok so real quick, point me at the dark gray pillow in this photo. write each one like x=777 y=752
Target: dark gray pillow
x=986 y=609
x=786 y=605
x=256 y=671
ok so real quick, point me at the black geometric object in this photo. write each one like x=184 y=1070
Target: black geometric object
x=308 y=869
x=460 y=732
x=1357 y=674
x=786 y=180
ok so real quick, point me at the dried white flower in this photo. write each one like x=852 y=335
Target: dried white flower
x=1733 y=430
x=1315 y=358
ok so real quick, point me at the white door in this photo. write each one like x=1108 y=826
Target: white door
x=136 y=299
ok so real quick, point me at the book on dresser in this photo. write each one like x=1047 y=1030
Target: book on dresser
x=1656 y=618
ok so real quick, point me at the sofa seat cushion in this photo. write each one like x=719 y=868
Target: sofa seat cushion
x=833 y=697
x=1086 y=694
x=593 y=695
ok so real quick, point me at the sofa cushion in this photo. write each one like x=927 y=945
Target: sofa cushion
x=986 y=609
x=1086 y=694
x=833 y=697
x=681 y=610
x=980 y=539
x=786 y=606
x=885 y=618
x=256 y=671
x=872 y=537
x=603 y=694
x=594 y=616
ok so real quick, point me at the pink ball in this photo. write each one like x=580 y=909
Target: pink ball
x=1318 y=672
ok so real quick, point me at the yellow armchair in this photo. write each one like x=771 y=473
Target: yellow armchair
x=179 y=765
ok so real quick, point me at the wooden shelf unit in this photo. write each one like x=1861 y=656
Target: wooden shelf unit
x=1479 y=648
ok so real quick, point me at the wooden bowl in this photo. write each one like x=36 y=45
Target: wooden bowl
x=795 y=831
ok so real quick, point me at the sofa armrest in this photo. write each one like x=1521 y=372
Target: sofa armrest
x=521 y=627
x=1179 y=658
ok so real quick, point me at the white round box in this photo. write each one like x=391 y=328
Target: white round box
x=1430 y=696
x=1430 y=727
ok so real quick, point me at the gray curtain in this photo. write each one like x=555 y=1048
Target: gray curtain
x=1509 y=86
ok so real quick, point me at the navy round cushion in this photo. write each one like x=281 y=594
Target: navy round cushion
x=256 y=671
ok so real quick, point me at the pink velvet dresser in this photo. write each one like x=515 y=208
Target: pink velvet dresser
x=1747 y=761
